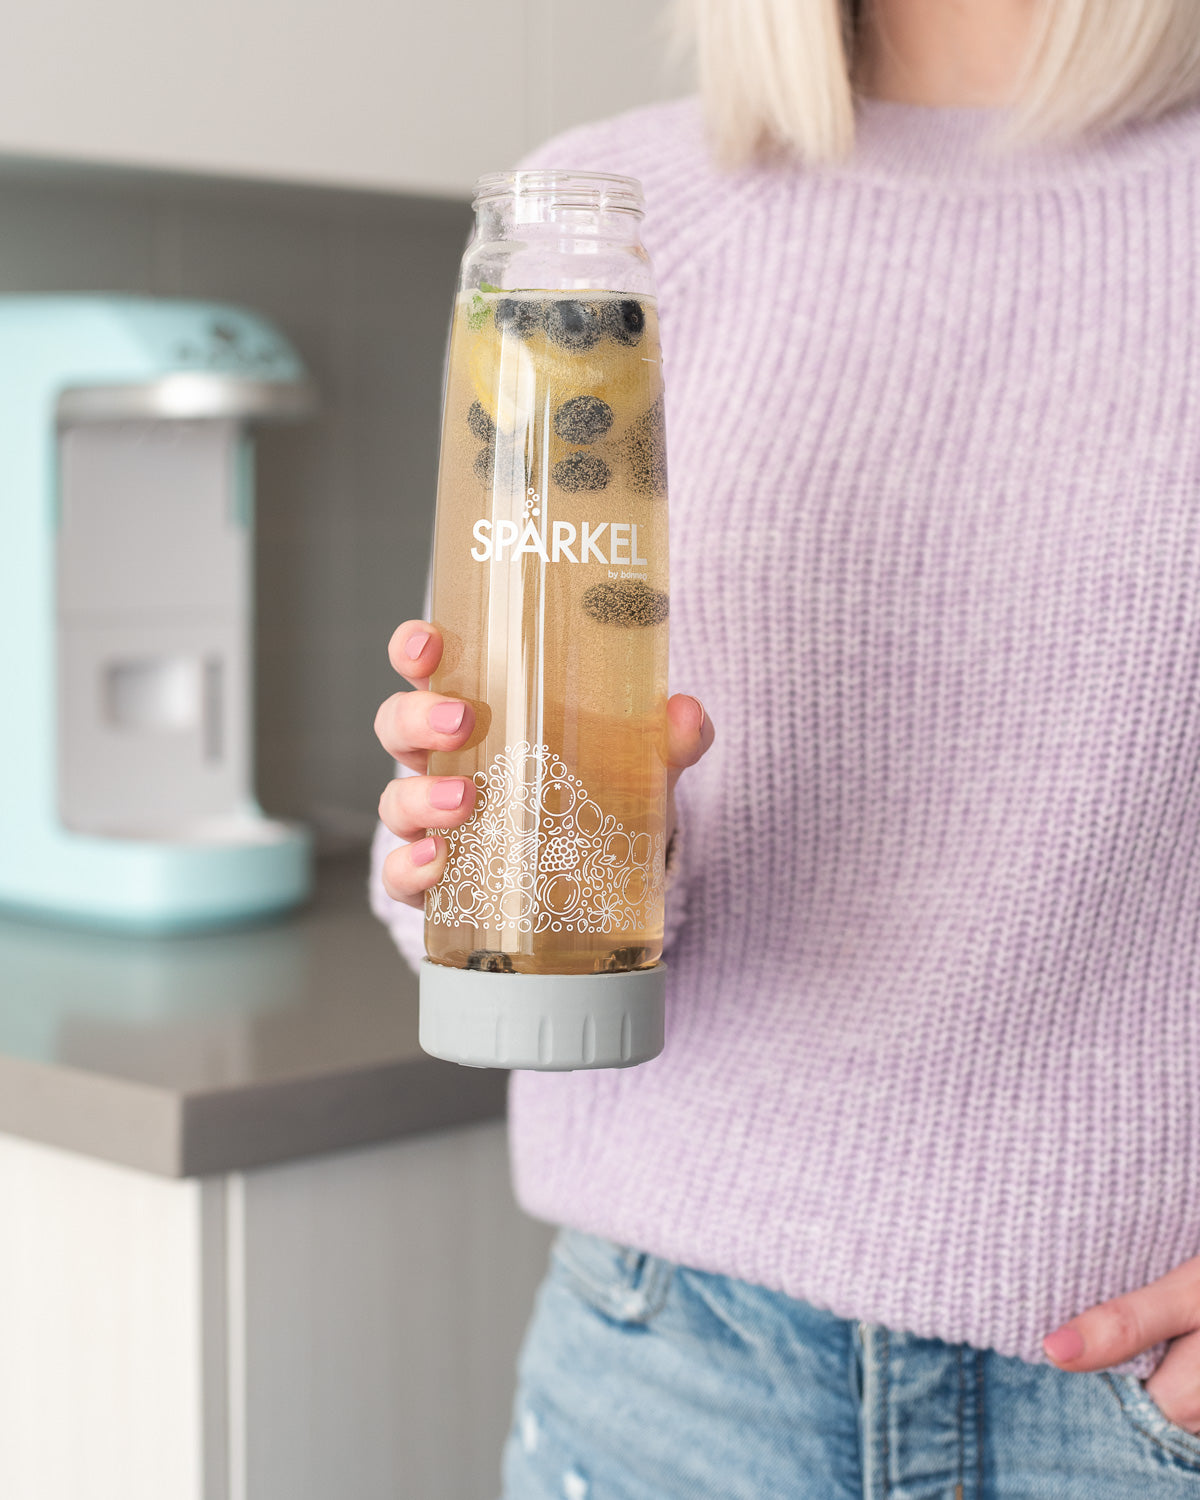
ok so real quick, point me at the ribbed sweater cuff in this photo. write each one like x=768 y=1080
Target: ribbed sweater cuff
x=405 y=923
x=675 y=889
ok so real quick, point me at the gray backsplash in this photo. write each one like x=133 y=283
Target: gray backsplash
x=362 y=284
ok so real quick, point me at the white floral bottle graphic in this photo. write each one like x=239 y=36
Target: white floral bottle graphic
x=544 y=937
x=541 y=856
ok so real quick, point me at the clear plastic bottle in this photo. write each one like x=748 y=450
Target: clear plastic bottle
x=550 y=590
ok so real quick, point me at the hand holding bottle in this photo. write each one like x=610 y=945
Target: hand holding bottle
x=410 y=725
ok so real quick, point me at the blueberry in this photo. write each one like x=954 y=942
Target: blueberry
x=480 y=423
x=504 y=459
x=624 y=321
x=489 y=961
x=583 y=419
x=524 y=318
x=581 y=471
x=574 y=325
x=630 y=602
x=646 y=448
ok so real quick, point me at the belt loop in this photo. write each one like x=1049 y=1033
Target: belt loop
x=971 y=1414
x=873 y=1413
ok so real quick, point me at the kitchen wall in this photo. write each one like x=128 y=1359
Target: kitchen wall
x=399 y=94
x=362 y=283
x=341 y=142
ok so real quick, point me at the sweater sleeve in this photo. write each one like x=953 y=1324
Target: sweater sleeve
x=675 y=912
x=405 y=923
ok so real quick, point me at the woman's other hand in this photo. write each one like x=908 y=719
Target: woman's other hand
x=1166 y=1311
x=410 y=725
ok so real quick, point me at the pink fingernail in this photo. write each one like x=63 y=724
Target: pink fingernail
x=447 y=794
x=446 y=717
x=700 y=709
x=1063 y=1345
x=415 y=645
x=422 y=853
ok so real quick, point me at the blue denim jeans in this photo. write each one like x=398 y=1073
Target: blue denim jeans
x=643 y=1380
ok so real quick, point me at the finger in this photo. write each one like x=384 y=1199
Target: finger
x=1175 y=1385
x=689 y=734
x=411 y=804
x=1117 y=1330
x=409 y=725
x=411 y=870
x=415 y=650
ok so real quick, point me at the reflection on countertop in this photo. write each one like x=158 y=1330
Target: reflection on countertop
x=211 y=1052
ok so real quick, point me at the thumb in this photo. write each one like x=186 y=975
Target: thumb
x=689 y=734
x=1118 y=1329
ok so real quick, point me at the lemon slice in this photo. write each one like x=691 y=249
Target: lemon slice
x=614 y=375
x=505 y=379
x=511 y=375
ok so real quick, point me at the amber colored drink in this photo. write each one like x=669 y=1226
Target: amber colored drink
x=550 y=589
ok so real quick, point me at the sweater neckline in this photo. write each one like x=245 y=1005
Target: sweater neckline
x=965 y=148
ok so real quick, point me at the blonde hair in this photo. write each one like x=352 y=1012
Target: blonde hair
x=777 y=74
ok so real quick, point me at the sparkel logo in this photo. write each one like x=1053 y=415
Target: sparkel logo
x=507 y=541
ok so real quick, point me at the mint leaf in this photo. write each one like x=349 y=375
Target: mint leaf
x=478 y=314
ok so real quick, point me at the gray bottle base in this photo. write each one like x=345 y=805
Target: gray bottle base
x=551 y=1022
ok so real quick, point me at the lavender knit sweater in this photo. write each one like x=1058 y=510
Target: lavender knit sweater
x=933 y=1047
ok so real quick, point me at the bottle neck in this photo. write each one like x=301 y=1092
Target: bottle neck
x=589 y=205
x=518 y=217
x=558 y=231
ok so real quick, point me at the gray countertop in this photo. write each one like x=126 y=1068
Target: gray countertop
x=186 y=1056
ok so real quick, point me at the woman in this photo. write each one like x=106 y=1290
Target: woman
x=929 y=280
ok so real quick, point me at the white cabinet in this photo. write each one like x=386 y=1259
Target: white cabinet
x=399 y=94
x=344 y=1326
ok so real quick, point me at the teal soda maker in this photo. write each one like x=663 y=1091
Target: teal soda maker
x=126 y=567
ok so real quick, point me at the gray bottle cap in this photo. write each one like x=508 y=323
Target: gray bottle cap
x=551 y=1022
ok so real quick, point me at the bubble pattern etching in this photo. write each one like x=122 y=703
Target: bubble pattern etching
x=540 y=855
